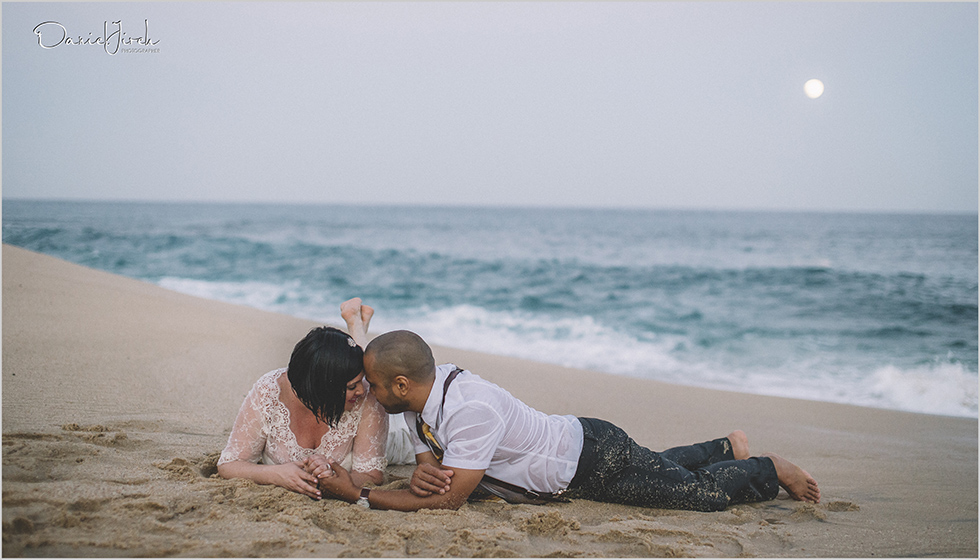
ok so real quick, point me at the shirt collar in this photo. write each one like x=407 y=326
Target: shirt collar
x=432 y=411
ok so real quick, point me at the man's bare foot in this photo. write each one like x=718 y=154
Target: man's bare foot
x=740 y=444
x=796 y=481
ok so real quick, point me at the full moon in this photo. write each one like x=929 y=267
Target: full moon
x=813 y=88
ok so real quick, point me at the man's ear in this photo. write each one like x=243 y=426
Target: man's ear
x=400 y=386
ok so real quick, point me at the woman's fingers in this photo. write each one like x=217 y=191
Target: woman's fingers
x=309 y=485
x=318 y=466
x=298 y=479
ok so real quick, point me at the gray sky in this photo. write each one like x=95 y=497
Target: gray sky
x=662 y=105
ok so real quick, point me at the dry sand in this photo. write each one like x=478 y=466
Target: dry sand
x=118 y=396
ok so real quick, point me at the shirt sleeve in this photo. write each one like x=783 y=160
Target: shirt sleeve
x=474 y=431
x=248 y=435
x=372 y=437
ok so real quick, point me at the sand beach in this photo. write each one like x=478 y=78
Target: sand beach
x=119 y=395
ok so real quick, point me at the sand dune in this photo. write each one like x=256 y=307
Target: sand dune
x=118 y=396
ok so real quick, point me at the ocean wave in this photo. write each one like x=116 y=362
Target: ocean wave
x=580 y=342
x=942 y=388
x=288 y=298
x=835 y=308
x=947 y=388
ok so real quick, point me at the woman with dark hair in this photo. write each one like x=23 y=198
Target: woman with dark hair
x=319 y=405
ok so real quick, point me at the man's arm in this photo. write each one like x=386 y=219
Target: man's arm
x=464 y=482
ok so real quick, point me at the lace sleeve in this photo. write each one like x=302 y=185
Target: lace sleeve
x=247 y=439
x=371 y=438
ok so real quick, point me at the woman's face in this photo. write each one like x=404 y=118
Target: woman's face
x=355 y=390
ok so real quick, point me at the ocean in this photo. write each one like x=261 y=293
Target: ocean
x=876 y=310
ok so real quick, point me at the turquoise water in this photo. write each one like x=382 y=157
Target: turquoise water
x=874 y=310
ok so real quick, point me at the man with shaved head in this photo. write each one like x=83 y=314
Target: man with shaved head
x=474 y=438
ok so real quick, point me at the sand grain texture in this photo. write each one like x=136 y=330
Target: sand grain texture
x=118 y=396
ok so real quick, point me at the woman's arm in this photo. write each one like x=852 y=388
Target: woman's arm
x=291 y=476
x=375 y=477
x=244 y=450
x=370 y=442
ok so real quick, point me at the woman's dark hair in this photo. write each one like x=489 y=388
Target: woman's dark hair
x=321 y=366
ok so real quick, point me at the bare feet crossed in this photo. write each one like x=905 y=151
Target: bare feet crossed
x=357 y=316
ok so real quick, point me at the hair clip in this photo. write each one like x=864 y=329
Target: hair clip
x=351 y=342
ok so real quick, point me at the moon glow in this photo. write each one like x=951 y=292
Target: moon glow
x=813 y=88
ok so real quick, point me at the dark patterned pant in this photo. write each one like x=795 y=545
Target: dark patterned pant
x=702 y=477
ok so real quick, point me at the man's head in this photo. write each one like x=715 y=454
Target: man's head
x=400 y=369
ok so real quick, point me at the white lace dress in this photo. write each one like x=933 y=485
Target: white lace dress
x=261 y=432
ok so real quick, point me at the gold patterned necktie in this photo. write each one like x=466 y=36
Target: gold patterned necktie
x=425 y=434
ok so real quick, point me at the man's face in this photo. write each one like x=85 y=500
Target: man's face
x=391 y=402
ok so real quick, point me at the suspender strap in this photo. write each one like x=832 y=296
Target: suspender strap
x=445 y=386
x=425 y=434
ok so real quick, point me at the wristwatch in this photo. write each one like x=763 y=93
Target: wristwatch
x=363 y=500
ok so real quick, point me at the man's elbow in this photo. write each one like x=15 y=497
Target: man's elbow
x=450 y=501
x=453 y=501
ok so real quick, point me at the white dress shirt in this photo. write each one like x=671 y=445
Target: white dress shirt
x=482 y=426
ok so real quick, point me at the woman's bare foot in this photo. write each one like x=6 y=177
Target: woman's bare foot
x=366 y=313
x=352 y=311
x=740 y=444
x=796 y=481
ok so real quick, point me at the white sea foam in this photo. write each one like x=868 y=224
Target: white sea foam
x=251 y=293
x=581 y=342
x=942 y=388
x=573 y=342
x=288 y=298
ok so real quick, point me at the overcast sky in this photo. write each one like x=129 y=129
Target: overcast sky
x=661 y=105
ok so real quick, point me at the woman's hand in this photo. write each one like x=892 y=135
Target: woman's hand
x=318 y=466
x=429 y=479
x=293 y=476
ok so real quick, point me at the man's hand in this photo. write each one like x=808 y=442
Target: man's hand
x=340 y=484
x=429 y=479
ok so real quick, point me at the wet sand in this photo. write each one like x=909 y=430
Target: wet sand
x=118 y=395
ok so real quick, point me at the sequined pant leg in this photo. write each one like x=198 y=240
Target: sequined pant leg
x=702 y=477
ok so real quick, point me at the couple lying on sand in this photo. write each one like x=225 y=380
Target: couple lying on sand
x=317 y=429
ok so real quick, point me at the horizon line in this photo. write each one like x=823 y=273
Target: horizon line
x=493 y=206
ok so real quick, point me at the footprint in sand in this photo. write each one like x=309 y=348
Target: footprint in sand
x=842 y=505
